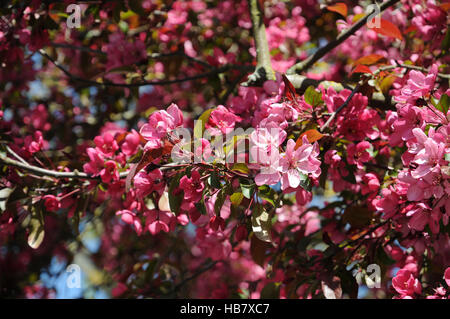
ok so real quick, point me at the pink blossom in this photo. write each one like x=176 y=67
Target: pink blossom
x=192 y=187
x=38 y=118
x=418 y=85
x=370 y=184
x=447 y=276
x=429 y=155
x=96 y=163
x=303 y=197
x=296 y=162
x=110 y=172
x=145 y=183
x=422 y=215
x=157 y=221
x=405 y=283
x=357 y=154
x=106 y=144
x=223 y=119
x=160 y=124
x=131 y=143
x=264 y=143
x=51 y=203
x=130 y=218
x=34 y=143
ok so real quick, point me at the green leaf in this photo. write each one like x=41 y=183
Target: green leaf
x=268 y=194
x=261 y=223
x=247 y=190
x=175 y=199
x=443 y=104
x=199 y=127
x=241 y=167
x=221 y=196
x=305 y=182
x=312 y=97
x=214 y=180
x=271 y=291
x=236 y=198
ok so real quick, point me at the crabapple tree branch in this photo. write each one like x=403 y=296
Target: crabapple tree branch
x=306 y=64
x=141 y=83
x=263 y=69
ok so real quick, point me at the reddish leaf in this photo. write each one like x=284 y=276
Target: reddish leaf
x=340 y=8
x=445 y=6
x=369 y=59
x=120 y=137
x=289 y=90
x=388 y=29
x=147 y=158
x=361 y=69
x=312 y=135
x=411 y=28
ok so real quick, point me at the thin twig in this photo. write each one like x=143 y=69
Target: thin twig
x=299 y=67
x=335 y=113
x=44 y=172
x=195 y=275
x=410 y=67
x=142 y=83
x=10 y=151
x=150 y=55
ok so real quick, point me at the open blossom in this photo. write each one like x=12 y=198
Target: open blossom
x=223 y=119
x=264 y=144
x=405 y=283
x=404 y=121
x=96 y=161
x=418 y=85
x=429 y=156
x=145 y=183
x=370 y=183
x=131 y=143
x=296 y=162
x=213 y=243
x=192 y=187
x=357 y=154
x=106 y=144
x=160 y=123
x=422 y=215
x=110 y=172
